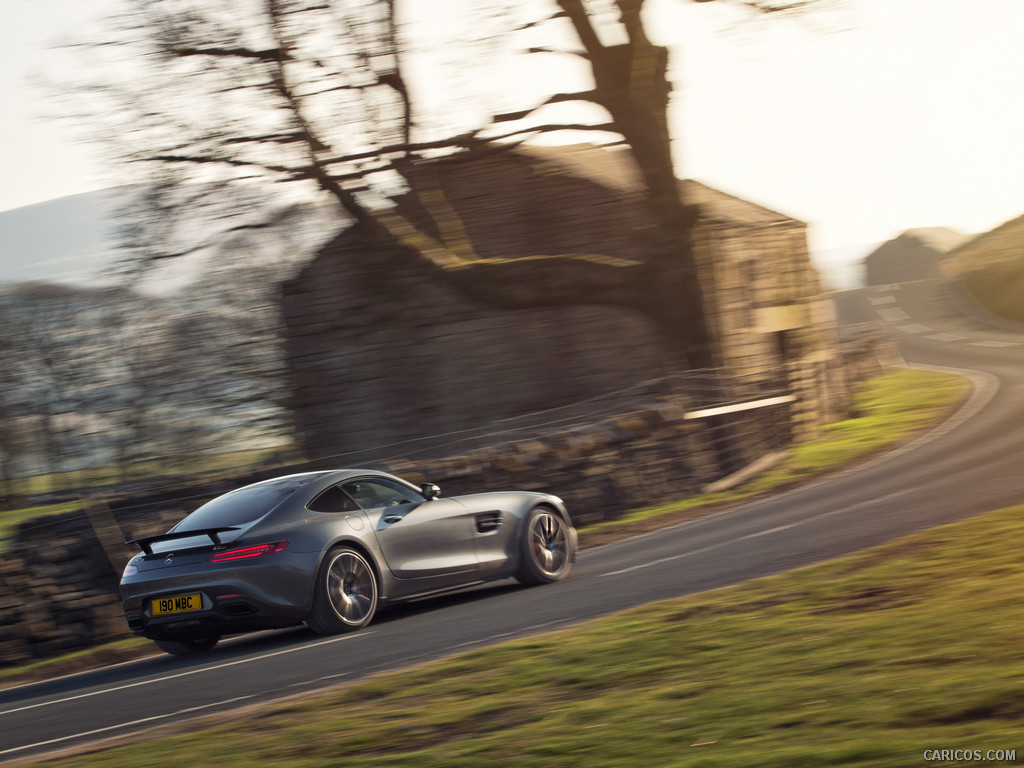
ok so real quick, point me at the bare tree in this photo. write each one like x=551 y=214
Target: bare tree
x=312 y=92
x=107 y=377
x=47 y=373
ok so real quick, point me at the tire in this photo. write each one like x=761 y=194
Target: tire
x=345 y=595
x=187 y=647
x=546 y=549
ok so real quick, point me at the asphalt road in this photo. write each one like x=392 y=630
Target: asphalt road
x=970 y=464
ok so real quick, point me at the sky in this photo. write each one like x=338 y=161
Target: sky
x=41 y=157
x=864 y=122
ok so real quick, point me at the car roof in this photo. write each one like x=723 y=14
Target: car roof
x=329 y=476
x=338 y=473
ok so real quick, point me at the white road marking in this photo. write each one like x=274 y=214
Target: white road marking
x=182 y=674
x=108 y=728
x=756 y=534
x=893 y=315
x=876 y=300
x=995 y=344
x=914 y=328
x=946 y=337
x=513 y=635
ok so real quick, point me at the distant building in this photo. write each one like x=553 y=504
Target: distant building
x=914 y=255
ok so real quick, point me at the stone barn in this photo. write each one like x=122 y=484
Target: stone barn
x=383 y=352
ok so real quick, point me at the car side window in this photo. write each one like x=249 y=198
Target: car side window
x=333 y=500
x=381 y=492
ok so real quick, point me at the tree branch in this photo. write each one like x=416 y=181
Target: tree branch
x=532 y=24
x=766 y=6
x=558 y=98
x=270 y=54
x=318 y=170
x=580 y=20
x=212 y=159
x=552 y=127
x=395 y=79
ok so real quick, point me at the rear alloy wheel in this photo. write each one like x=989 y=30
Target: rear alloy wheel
x=345 y=597
x=546 y=548
x=187 y=647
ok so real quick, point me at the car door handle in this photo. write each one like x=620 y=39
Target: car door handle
x=392 y=518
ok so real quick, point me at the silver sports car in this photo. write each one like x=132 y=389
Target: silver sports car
x=328 y=548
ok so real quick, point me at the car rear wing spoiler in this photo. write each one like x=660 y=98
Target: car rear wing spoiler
x=146 y=543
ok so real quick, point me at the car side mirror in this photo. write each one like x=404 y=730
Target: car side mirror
x=430 y=490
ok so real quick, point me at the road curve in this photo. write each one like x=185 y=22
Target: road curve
x=969 y=465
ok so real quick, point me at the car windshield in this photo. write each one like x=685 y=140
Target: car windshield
x=242 y=506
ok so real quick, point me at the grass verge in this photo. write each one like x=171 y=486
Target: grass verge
x=11 y=519
x=229 y=464
x=998 y=287
x=864 y=661
x=90 y=658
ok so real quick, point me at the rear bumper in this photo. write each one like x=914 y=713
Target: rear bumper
x=224 y=611
x=233 y=599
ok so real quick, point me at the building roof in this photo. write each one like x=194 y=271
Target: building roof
x=616 y=170
x=941 y=239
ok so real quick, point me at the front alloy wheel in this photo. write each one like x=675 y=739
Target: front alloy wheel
x=546 y=548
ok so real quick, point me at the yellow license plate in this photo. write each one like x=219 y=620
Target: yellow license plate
x=179 y=604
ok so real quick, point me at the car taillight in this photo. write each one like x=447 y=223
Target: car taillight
x=247 y=553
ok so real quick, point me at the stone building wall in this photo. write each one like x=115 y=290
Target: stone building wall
x=776 y=327
x=382 y=349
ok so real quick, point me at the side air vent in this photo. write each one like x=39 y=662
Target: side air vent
x=488 y=522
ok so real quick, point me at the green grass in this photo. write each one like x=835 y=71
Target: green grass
x=119 y=650
x=999 y=287
x=991 y=265
x=10 y=520
x=219 y=464
x=864 y=661
x=891 y=408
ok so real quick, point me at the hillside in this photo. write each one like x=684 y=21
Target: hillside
x=991 y=265
x=63 y=240
x=911 y=256
x=72 y=240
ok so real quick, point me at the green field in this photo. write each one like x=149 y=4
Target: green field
x=999 y=288
x=991 y=266
x=220 y=465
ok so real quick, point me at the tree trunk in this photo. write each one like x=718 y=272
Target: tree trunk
x=631 y=82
